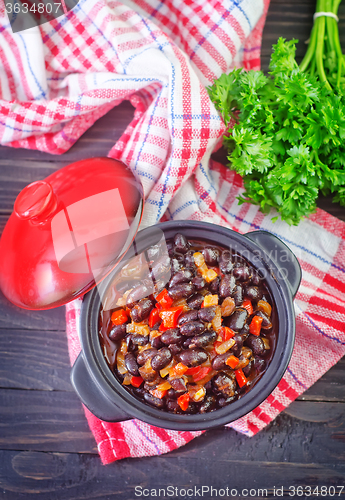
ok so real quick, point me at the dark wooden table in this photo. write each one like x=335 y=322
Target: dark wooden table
x=46 y=448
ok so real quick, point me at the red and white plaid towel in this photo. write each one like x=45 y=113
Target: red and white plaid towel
x=56 y=81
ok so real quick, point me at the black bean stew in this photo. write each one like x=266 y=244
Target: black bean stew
x=199 y=341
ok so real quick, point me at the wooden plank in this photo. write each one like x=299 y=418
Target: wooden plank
x=60 y=476
x=15 y=176
x=34 y=359
x=43 y=421
x=54 y=421
x=96 y=141
x=12 y=317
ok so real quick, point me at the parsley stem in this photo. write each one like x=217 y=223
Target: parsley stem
x=309 y=55
x=319 y=25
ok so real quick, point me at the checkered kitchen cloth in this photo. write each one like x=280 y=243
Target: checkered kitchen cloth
x=58 y=79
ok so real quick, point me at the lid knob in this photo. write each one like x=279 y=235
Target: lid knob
x=35 y=202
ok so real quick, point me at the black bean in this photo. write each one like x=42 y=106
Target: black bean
x=223 y=401
x=245 y=330
x=118 y=332
x=172 y=405
x=214 y=285
x=211 y=256
x=237 y=320
x=139 y=391
x=236 y=348
x=140 y=339
x=180 y=258
x=172 y=336
x=207 y=314
x=195 y=301
x=192 y=328
x=209 y=387
x=128 y=341
x=256 y=344
x=253 y=292
x=156 y=342
x=192 y=408
x=259 y=364
x=225 y=262
x=161 y=268
x=162 y=359
x=208 y=404
x=247 y=369
x=204 y=339
x=183 y=276
x=181 y=290
x=141 y=310
x=242 y=273
x=178 y=384
x=199 y=283
x=186 y=343
x=136 y=294
x=192 y=357
x=187 y=316
x=158 y=403
x=175 y=348
x=238 y=295
x=227 y=286
x=170 y=247
x=143 y=356
x=255 y=279
x=189 y=259
x=175 y=265
x=219 y=362
x=181 y=243
x=225 y=384
x=172 y=394
x=266 y=322
x=131 y=364
x=153 y=252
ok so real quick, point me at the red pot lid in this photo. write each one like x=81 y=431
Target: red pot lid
x=68 y=232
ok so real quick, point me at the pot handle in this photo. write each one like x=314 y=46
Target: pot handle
x=276 y=250
x=95 y=400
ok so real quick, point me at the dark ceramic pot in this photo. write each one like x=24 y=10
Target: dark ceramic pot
x=104 y=395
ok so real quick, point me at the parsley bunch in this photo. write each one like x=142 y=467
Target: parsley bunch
x=288 y=140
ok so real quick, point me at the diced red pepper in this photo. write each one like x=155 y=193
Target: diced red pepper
x=183 y=401
x=170 y=316
x=192 y=371
x=248 y=305
x=255 y=325
x=178 y=370
x=203 y=371
x=154 y=317
x=232 y=361
x=119 y=317
x=240 y=377
x=136 y=381
x=164 y=299
x=157 y=393
x=226 y=333
x=163 y=328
